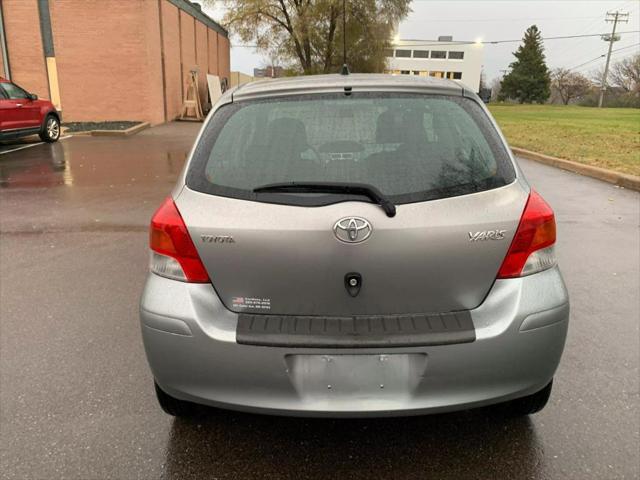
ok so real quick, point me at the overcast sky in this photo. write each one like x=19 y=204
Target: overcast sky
x=505 y=20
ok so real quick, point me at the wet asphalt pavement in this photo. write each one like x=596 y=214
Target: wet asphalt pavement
x=76 y=396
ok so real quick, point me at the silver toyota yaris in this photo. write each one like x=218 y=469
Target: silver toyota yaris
x=353 y=245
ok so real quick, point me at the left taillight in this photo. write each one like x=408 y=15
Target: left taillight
x=173 y=254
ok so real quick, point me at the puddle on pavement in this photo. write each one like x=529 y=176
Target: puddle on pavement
x=96 y=161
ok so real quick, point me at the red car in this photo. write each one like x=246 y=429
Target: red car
x=22 y=114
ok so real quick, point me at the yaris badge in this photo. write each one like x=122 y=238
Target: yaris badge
x=352 y=229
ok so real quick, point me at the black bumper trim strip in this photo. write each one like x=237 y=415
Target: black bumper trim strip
x=355 y=331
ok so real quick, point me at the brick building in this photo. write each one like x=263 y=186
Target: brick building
x=101 y=60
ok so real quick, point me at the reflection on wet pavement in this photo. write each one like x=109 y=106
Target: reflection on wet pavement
x=93 y=161
x=86 y=183
x=40 y=171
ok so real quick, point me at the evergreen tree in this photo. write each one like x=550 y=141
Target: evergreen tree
x=529 y=80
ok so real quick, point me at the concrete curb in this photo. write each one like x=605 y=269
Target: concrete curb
x=65 y=131
x=622 y=179
x=120 y=133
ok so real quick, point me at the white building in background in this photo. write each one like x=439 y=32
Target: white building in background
x=442 y=58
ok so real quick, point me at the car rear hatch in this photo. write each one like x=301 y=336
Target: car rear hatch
x=436 y=256
x=285 y=253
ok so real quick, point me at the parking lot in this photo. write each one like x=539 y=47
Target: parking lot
x=76 y=395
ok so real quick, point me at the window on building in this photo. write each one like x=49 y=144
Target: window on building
x=416 y=72
x=405 y=72
x=403 y=53
x=456 y=55
x=421 y=54
x=438 y=54
x=436 y=74
x=457 y=75
x=388 y=52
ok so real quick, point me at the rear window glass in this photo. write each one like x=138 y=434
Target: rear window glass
x=411 y=147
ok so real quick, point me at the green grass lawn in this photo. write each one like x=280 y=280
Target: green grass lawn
x=604 y=137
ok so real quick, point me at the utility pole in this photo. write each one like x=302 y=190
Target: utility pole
x=612 y=17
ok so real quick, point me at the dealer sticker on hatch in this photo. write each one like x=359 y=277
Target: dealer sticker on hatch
x=251 y=302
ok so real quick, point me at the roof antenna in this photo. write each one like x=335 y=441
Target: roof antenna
x=345 y=68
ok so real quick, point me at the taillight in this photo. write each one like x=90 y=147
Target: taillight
x=173 y=253
x=532 y=249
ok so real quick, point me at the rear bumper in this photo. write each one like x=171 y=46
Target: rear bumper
x=190 y=341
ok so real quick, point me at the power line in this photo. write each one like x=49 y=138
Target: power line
x=603 y=55
x=499 y=20
x=614 y=53
x=496 y=42
x=628 y=46
x=577 y=49
x=619 y=7
x=587 y=62
x=568 y=47
x=483 y=42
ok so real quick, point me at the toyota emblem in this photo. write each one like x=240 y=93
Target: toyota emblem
x=352 y=229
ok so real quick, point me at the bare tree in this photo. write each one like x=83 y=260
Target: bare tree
x=595 y=76
x=310 y=33
x=569 y=85
x=496 y=83
x=626 y=74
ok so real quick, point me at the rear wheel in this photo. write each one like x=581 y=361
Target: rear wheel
x=530 y=404
x=51 y=129
x=173 y=406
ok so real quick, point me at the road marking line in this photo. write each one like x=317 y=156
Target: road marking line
x=31 y=145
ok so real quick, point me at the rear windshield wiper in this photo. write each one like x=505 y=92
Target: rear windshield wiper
x=332 y=187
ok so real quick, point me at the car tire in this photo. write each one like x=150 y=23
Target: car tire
x=530 y=404
x=173 y=406
x=50 y=129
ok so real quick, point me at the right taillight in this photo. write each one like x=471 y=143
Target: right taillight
x=532 y=249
